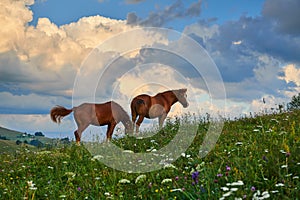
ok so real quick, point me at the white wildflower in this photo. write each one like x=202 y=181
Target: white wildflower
x=234 y=189
x=174 y=190
x=279 y=185
x=225 y=188
x=31 y=185
x=167 y=180
x=235 y=183
x=140 y=178
x=169 y=166
x=227 y=194
x=128 y=151
x=124 y=181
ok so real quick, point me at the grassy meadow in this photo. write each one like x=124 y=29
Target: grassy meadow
x=255 y=158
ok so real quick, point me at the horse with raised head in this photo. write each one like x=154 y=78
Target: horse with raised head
x=109 y=113
x=156 y=106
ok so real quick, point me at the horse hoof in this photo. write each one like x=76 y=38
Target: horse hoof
x=78 y=143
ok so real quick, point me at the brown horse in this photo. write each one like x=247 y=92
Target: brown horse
x=109 y=113
x=156 y=106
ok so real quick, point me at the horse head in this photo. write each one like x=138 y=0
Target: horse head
x=181 y=96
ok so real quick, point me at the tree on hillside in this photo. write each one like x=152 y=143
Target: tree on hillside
x=295 y=103
x=39 y=134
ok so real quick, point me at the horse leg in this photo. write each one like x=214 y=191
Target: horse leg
x=161 y=120
x=133 y=118
x=138 y=123
x=110 y=130
x=79 y=131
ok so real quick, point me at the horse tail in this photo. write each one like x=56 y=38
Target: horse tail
x=140 y=101
x=58 y=112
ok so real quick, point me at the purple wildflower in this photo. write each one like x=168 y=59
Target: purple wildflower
x=79 y=189
x=195 y=176
x=219 y=175
x=253 y=188
x=265 y=158
x=228 y=168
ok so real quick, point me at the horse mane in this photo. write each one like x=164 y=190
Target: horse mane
x=124 y=117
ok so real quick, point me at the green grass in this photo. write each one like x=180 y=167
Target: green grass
x=254 y=157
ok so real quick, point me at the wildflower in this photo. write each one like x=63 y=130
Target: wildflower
x=62 y=196
x=265 y=158
x=228 y=168
x=97 y=157
x=238 y=143
x=128 y=151
x=253 y=188
x=70 y=174
x=235 y=183
x=174 y=190
x=169 y=166
x=195 y=176
x=279 y=185
x=275 y=191
x=227 y=194
x=264 y=195
x=31 y=185
x=124 y=181
x=234 y=189
x=150 y=185
x=167 y=180
x=284 y=166
x=79 y=189
x=219 y=175
x=288 y=154
x=141 y=178
x=225 y=188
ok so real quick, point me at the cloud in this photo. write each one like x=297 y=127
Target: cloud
x=133 y=1
x=159 y=18
x=34 y=123
x=285 y=13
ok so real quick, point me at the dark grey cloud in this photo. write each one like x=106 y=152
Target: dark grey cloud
x=285 y=13
x=258 y=37
x=133 y=1
x=169 y=13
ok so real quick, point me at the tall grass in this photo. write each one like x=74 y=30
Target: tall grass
x=254 y=158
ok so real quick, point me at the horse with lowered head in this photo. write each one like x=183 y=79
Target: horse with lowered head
x=109 y=113
x=156 y=106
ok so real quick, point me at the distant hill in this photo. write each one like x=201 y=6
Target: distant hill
x=10 y=146
x=9 y=134
x=10 y=138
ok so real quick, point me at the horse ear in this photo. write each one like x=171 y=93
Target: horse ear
x=183 y=90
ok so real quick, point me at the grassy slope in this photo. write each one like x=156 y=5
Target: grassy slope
x=254 y=157
x=11 y=146
x=16 y=135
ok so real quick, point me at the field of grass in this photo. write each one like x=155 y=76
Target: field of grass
x=254 y=158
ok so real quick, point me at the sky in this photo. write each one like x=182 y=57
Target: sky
x=55 y=52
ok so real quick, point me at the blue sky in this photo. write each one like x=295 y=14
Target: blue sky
x=44 y=45
x=67 y=11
